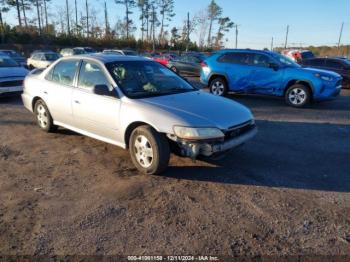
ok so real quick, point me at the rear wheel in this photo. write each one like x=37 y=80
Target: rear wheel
x=298 y=95
x=218 y=86
x=149 y=150
x=43 y=117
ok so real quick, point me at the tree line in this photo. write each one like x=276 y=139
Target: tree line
x=70 y=23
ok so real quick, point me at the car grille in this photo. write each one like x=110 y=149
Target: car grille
x=239 y=130
x=11 y=83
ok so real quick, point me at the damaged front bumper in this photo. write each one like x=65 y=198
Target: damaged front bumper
x=193 y=149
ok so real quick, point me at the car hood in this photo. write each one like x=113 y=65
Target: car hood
x=201 y=109
x=320 y=71
x=6 y=72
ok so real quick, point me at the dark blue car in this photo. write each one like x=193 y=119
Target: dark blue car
x=268 y=73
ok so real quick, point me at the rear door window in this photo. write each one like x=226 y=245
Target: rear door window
x=235 y=58
x=64 y=72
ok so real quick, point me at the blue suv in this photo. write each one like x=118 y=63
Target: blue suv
x=267 y=73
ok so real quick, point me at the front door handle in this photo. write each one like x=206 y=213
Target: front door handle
x=76 y=101
x=45 y=92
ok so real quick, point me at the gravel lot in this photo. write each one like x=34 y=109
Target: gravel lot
x=285 y=192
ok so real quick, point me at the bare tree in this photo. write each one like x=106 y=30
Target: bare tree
x=107 y=27
x=225 y=24
x=15 y=3
x=129 y=5
x=203 y=24
x=143 y=5
x=214 y=13
x=87 y=18
x=38 y=15
x=46 y=16
x=167 y=13
x=76 y=16
x=3 y=9
x=68 y=22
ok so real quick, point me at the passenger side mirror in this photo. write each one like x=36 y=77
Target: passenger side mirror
x=102 y=90
x=274 y=66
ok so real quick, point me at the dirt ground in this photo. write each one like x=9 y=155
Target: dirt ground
x=286 y=192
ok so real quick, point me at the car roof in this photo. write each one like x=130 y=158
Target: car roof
x=44 y=52
x=244 y=50
x=107 y=58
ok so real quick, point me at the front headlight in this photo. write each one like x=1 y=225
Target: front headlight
x=198 y=133
x=324 y=77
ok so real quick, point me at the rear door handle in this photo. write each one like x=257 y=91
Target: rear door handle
x=45 y=92
x=76 y=101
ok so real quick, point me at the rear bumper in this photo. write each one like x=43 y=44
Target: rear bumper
x=27 y=101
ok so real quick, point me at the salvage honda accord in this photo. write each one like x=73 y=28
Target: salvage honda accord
x=136 y=104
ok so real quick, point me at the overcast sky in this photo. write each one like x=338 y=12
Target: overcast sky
x=312 y=22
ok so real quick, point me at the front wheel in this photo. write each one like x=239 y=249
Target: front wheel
x=298 y=95
x=218 y=87
x=149 y=150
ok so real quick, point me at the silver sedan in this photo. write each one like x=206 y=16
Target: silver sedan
x=136 y=104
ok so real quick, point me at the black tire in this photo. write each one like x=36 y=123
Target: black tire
x=43 y=117
x=218 y=86
x=30 y=67
x=159 y=146
x=298 y=96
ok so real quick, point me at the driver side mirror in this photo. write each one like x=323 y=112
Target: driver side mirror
x=274 y=66
x=102 y=90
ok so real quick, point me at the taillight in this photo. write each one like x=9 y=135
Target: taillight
x=204 y=64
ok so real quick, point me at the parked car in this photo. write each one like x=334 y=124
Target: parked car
x=137 y=104
x=42 y=60
x=125 y=52
x=338 y=65
x=11 y=76
x=41 y=51
x=298 y=55
x=268 y=73
x=15 y=56
x=165 y=58
x=73 y=51
x=89 y=50
x=189 y=64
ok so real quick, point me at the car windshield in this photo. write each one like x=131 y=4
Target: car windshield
x=307 y=55
x=111 y=52
x=285 y=60
x=130 y=53
x=79 y=51
x=7 y=62
x=51 y=57
x=140 y=79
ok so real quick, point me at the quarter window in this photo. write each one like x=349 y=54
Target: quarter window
x=64 y=72
x=91 y=75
